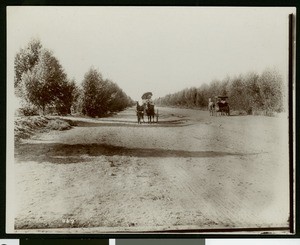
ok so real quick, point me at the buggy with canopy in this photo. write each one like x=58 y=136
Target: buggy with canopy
x=147 y=108
x=222 y=105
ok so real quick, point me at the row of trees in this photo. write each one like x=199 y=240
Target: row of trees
x=42 y=84
x=249 y=92
x=101 y=96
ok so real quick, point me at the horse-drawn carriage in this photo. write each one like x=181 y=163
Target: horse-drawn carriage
x=219 y=106
x=146 y=108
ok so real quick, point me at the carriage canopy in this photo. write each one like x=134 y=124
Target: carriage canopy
x=146 y=95
x=221 y=97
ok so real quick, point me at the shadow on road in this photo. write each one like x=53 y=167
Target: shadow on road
x=74 y=153
x=120 y=123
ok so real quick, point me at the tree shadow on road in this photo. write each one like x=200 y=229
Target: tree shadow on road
x=123 y=123
x=76 y=153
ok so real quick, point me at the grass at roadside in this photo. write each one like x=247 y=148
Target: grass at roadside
x=25 y=127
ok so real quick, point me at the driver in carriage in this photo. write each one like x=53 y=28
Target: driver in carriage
x=148 y=100
x=223 y=101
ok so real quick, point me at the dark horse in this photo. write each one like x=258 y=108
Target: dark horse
x=223 y=108
x=140 y=112
x=150 y=112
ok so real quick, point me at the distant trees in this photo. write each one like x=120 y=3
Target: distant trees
x=249 y=92
x=41 y=82
x=102 y=96
x=271 y=90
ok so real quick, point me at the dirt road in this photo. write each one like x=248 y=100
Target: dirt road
x=189 y=171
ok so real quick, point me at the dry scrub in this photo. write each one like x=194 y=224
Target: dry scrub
x=25 y=127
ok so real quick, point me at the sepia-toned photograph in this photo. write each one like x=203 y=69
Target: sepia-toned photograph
x=150 y=120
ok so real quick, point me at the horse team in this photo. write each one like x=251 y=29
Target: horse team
x=220 y=107
x=146 y=108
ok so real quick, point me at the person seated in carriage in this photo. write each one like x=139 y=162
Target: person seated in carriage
x=148 y=101
x=222 y=102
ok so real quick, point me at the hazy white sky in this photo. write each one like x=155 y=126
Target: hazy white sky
x=158 y=49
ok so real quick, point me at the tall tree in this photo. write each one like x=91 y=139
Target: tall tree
x=91 y=86
x=102 y=96
x=66 y=95
x=25 y=60
x=44 y=81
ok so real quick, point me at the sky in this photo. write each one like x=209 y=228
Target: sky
x=157 y=49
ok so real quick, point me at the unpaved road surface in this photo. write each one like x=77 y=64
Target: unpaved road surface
x=189 y=171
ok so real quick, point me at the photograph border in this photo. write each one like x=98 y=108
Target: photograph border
x=293 y=149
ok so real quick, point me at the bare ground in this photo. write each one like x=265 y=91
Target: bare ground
x=189 y=171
